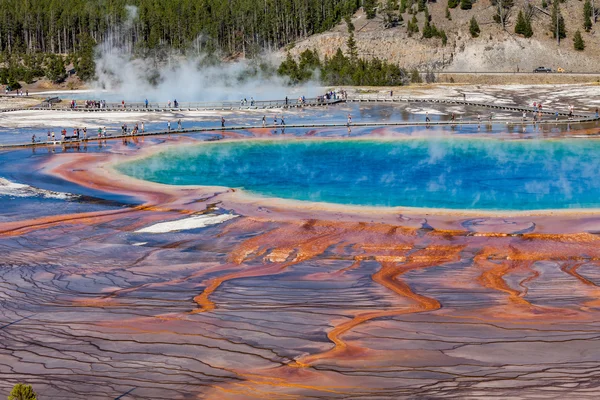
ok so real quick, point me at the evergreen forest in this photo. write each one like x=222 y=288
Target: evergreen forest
x=230 y=26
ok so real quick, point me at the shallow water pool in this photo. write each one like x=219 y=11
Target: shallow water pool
x=451 y=173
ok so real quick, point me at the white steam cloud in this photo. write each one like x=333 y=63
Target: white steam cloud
x=183 y=77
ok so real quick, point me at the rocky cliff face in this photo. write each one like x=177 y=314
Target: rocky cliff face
x=495 y=49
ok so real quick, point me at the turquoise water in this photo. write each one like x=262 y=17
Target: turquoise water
x=484 y=174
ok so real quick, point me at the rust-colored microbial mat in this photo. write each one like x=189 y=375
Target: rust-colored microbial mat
x=286 y=302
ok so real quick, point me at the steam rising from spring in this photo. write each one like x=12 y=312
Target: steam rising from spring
x=183 y=77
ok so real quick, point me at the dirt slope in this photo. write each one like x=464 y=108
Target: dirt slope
x=494 y=50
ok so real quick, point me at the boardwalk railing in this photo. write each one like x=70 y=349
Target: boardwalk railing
x=194 y=106
x=92 y=137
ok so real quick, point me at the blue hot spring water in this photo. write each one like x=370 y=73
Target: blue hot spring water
x=451 y=173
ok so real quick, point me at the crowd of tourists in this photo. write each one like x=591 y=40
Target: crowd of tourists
x=89 y=104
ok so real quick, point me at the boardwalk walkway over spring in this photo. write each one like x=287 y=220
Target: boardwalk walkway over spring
x=193 y=106
x=279 y=104
x=575 y=118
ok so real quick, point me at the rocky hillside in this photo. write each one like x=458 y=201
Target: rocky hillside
x=495 y=49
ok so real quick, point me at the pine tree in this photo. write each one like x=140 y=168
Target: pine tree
x=352 y=49
x=528 y=28
x=448 y=15
x=578 y=42
x=84 y=59
x=415 y=76
x=422 y=5
x=466 y=4
x=413 y=26
x=474 y=28
x=587 y=15
x=349 y=24
x=22 y=392
x=403 y=6
x=56 y=71
x=427 y=31
x=289 y=68
x=308 y=64
x=442 y=35
x=452 y=3
x=370 y=8
x=521 y=25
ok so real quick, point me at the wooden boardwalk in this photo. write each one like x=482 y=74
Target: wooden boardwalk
x=279 y=128
x=135 y=107
x=502 y=107
x=279 y=104
x=195 y=106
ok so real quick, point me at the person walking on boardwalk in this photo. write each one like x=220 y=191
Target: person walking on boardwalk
x=179 y=127
x=84 y=133
x=33 y=139
x=146 y=103
x=99 y=132
x=222 y=122
x=48 y=140
x=427 y=117
x=168 y=126
x=282 y=121
x=142 y=126
x=264 y=121
x=349 y=119
x=64 y=134
x=275 y=120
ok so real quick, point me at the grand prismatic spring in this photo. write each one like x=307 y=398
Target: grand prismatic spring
x=379 y=260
